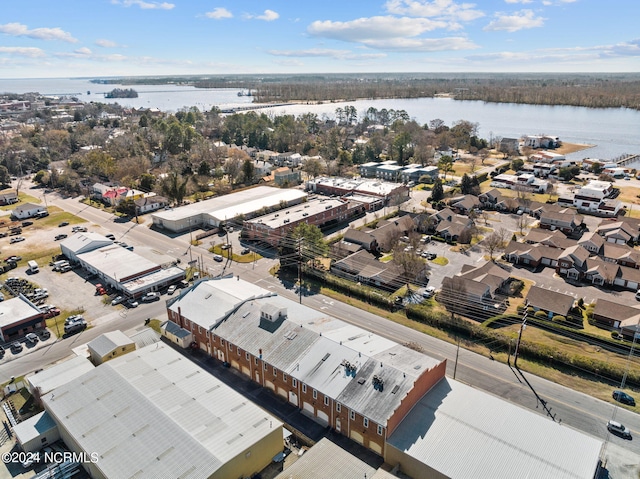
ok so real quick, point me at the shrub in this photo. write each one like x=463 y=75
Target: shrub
x=558 y=319
x=540 y=314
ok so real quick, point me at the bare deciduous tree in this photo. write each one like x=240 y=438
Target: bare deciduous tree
x=495 y=241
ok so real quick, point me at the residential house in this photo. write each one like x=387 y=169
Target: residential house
x=365 y=239
x=150 y=203
x=552 y=302
x=343 y=248
x=288 y=158
x=8 y=198
x=388 y=231
x=592 y=242
x=286 y=176
x=532 y=255
x=573 y=262
x=540 y=141
x=543 y=170
x=489 y=273
x=362 y=267
x=452 y=230
x=615 y=315
x=554 y=239
x=27 y=210
x=510 y=146
x=620 y=232
x=464 y=204
x=621 y=254
x=467 y=297
x=569 y=222
x=600 y=272
x=546 y=157
x=490 y=199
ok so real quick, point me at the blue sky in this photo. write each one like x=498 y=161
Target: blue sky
x=72 y=38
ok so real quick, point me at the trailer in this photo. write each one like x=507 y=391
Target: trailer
x=33 y=267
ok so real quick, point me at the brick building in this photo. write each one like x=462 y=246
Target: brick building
x=356 y=382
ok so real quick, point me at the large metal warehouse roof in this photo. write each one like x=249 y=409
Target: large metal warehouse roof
x=234 y=204
x=464 y=433
x=153 y=413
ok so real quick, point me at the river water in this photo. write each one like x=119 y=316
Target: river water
x=614 y=131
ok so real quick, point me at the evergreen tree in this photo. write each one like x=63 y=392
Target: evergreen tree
x=437 y=192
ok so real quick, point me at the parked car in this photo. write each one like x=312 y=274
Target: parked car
x=117 y=300
x=74 y=318
x=51 y=313
x=31 y=338
x=428 y=292
x=41 y=214
x=16 y=347
x=64 y=223
x=44 y=333
x=12 y=259
x=27 y=223
x=218 y=258
x=79 y=229
x=245 y=251
x=429 y=255
x=617 y=428
x=17 y=239
x=1 y=352
x=150 y=297
x=623 y=397
x=66 y=269
x=172 y=289
x=226 y=246
x=75 y=327
x=132 y=303
x=60 y=237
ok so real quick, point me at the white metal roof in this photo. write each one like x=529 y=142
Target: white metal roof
x=34 y=427
x=462 y=433
x=83 y=242
x=231 y=205
x=116 y=262
x=154 y=413
x=55 y=376
x=143 y=283
x=107 y=342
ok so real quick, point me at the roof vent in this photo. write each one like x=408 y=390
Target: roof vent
x=378 y=383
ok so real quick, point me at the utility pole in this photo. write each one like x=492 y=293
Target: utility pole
x=300 y=270
x=524 y=324
x=455 y=366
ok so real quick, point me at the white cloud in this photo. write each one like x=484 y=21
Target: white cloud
x=326 y=52
x=83 y=52
x=30 y=52
x=373 y=28
x=267 y=16
x=20 y=30
x=518 y=1
x=219 y=13
x=145 y=5
x=521 y=20
x=106 y=43
x=441 y=9
x=390 y=33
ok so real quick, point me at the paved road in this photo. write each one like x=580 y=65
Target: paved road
x=572 y=408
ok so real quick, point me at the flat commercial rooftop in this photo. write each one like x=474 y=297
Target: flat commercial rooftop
x=116 y=262
x=296 y=213
x=234 y=204
x=465 y=433
x=153 y=413
x=16 y=309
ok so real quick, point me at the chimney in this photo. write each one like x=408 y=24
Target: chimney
x=180 y=317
